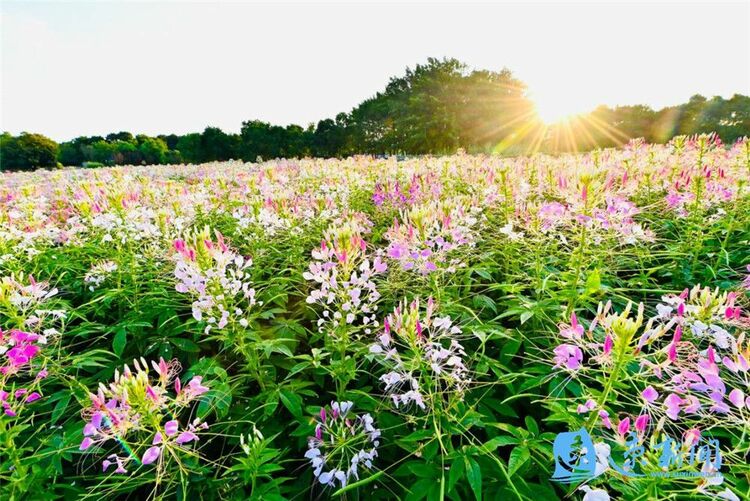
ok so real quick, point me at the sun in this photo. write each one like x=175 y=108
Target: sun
x=553 y=108
x=552 y=114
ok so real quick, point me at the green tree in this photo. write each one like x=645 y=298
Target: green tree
x=27 y=151
x=152 y=149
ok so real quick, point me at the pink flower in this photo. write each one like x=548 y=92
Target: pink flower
x=641 y=423
x=608 y=343
x=672 y=352
x=33 y=397
x=673 y=402
x=649 y=394
x=195 y=388
x=692 y=404
x=731 y=313
x=569 y=356
x=738 y=365
x=86 y=443
x=186 y=436
x=572 y=331
x=379 y=266
x=691 y=437
x=624 y=427
x=604 y=415
x=737 y=397
x=587 y=407
x=151 y=455
x=171 y=427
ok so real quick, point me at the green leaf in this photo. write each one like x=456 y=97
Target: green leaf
x=119 y=342
x=518 y=456
x=593 y=283
x=283 y=349
x=457 y=471
x=185 y=345
x=483 y=273
x=531 y=425
x=60 y=407
x=474 y=475
x=496 y=442
x=525 y=316
x=292 y=402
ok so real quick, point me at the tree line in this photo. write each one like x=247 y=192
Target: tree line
x=435 y=108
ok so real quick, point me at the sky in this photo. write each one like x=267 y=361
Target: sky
x=77 y=68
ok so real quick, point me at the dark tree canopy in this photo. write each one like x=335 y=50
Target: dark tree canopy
x=27 y=151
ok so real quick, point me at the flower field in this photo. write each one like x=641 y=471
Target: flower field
x=373 y=328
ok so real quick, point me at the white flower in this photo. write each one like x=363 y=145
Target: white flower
x=603 y=452
x=594 y=494
x=727 y=494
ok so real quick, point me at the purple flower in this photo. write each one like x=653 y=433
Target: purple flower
x=86 y=443
x=624 y=427
x=737 y=397
x=649 y=394
x=186 y=436
x=195 y=388
x=397 y=251
x=33 y=396
x=673 y=402
x=379 y=266
x=719 y=405
x=641 y=423
x=171 y=427
x=569 y=356
x=587 y=407
x=151 y=455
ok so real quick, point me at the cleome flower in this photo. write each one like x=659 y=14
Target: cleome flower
x=24 y=352
x=216 y=277
x=23 y=298
x=425 y=238
x=98 y=273
x=704 y=313
x=422 y=357
x=343 y=444
x=137 y=409
x=346 y=290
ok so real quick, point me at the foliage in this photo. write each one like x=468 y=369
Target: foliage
x=373 y=328
x=27 y=151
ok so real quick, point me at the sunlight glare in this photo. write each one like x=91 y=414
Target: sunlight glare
x=556 y=108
